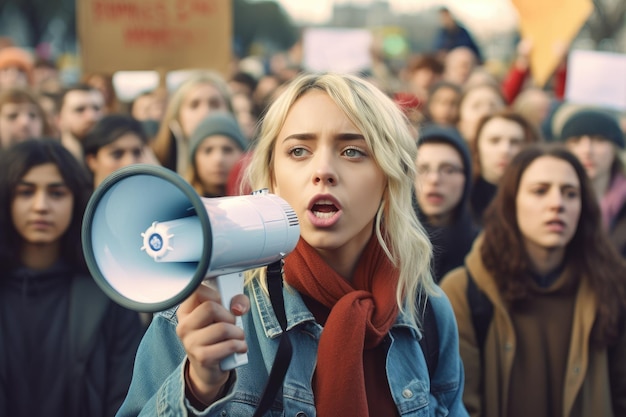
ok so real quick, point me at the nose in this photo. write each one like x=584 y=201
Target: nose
x=324 y=171
x=23 y=120
x=556 y=201
x=40 y=201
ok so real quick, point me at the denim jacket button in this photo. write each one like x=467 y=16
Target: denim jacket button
x=301 y=414
x=407 y=393
x=223 y=413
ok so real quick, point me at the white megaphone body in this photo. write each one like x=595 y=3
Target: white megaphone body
x=150 y=240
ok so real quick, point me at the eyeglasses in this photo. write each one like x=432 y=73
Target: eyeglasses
x=443 y=171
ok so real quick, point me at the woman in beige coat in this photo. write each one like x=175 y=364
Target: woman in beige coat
x=555 y=291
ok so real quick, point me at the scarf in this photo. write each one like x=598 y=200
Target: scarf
x=361 y=314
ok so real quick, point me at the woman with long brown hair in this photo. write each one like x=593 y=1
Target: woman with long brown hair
x=552 y=343
x=499 y=137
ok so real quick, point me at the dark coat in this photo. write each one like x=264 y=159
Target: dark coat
x=451 y=243
x=92 y=342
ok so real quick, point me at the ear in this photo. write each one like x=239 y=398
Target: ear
x=92 y=162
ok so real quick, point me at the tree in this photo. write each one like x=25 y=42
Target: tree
x=607 y=20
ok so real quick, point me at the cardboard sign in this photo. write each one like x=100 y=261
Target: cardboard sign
x=551 y=26
x=596 y=79
x=163 y=35
x=337 y=50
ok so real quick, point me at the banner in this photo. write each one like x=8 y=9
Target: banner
x=161 y=35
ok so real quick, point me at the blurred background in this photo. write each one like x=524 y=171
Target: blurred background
x=263 y=27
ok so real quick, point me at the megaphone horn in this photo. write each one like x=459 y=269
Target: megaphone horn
x=149 y=239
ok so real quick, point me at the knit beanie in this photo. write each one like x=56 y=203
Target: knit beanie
x=436 y=133
x=12 y=56
x=218 y=123
x=591 y=122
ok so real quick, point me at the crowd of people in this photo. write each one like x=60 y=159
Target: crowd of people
x=462 y=247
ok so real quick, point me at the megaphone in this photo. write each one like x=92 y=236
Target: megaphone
x=149 y=239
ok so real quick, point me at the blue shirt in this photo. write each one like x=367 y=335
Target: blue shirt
x=158 y=387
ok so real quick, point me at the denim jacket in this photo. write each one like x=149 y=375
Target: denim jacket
x=157 y=387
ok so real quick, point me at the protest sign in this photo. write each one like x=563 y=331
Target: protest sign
x=338 y=50
x=550 y=26
x=161 y=35
x=596 y=78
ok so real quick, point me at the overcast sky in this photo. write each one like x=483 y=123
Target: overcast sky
x=475 y=13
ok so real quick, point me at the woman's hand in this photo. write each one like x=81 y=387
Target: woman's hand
x=209 y=334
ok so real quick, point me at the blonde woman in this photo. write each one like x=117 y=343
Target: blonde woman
x=200 y=94
x=340 y=153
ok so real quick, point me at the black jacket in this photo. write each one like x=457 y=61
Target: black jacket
x=451 y=242
x=66 y=349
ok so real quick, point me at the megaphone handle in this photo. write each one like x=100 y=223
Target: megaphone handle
x=230 y=285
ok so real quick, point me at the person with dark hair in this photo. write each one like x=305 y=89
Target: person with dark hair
x=421 y=72
x=80 y=107
x=499 y=137
x=116 y=141
x=67 y=349
x=595 y=137
x=443 y=103
x=242 y=82
x=442 y=189
x=452 y=34
x=553 y=340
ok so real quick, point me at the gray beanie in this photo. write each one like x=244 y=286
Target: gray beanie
x=218 y=123
x=593 y=122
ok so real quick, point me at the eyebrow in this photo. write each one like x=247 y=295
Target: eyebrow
x=50 y=185
x=565 y=184
x=312 y=136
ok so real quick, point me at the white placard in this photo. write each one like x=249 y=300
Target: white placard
x=597 y=79
x=337 y=50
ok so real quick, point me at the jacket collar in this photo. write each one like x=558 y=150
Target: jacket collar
x=297 y=312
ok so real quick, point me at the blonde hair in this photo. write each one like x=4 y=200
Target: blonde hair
x=163 y=140
x=385 y=129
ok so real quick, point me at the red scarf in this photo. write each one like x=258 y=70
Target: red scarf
x=362 y=312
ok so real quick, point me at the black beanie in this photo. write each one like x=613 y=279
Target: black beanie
x=593 y=123
x=450 y=135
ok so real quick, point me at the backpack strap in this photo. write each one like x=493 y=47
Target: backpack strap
x=430 y=335
x=285 y=350
x=481 y=310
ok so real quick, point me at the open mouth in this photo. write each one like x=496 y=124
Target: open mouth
x=324 y=209
x=556 y=225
